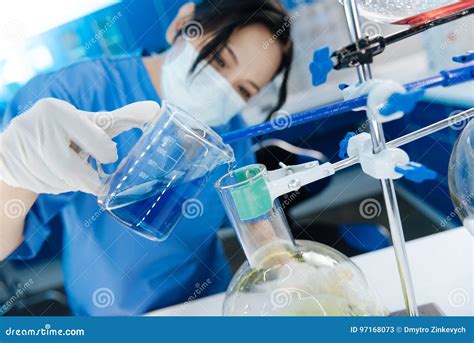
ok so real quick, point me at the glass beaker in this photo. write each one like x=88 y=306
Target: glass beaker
x=461 y=176
x=171 y=163
x=283 y=276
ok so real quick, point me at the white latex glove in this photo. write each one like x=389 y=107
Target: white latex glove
x=45 y=149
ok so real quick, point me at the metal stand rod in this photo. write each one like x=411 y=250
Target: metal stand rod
x=388 y=189
x=428 y=130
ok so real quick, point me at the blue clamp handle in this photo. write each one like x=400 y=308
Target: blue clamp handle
x=464 y=58
x=344 y=144
x=402 y=102
x=416 y=172
x=343 y=86
x=321 y=66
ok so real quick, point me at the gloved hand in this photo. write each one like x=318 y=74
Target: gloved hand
x=45 y=149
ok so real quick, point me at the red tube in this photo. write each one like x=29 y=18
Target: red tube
x=436 y=13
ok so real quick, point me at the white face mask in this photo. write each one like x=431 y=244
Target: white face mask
x=207 y=94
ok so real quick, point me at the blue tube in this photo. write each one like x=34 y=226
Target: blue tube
x=296 y=119
x=445 y=79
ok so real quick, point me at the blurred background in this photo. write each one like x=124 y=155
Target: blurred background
x=45 y=35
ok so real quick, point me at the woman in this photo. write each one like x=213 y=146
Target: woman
x=107 y=269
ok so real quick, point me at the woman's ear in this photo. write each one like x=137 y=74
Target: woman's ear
x=184 y=14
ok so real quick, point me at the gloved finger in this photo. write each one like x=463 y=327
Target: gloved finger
x=135 y=115
x=46 y=181
x=26 y=167
x=34 y=175
x=91 y=139
x=76 y=172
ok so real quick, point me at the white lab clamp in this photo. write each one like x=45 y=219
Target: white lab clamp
x=256 y=197
x=381 y=165
x=292 y=178
x=378 y=93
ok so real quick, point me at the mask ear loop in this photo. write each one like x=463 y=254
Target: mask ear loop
x=178 y=46
x=260 y=105
x=276 y=85
x=177 y=35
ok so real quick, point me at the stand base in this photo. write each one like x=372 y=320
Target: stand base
x=429 y=310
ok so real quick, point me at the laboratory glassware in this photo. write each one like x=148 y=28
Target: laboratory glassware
x=282 y=276
x=461 y=176
x=170 y=164
x=409 y=12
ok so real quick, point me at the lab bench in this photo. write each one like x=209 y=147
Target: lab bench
x=441 y=265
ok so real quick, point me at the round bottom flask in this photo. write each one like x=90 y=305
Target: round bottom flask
x=283 y=277
x=461 y=177
x=310 y=280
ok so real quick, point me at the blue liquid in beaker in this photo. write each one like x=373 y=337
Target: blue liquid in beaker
x=154 y=216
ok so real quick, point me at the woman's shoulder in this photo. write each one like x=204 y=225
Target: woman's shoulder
x=83 y=84
x=93 y=77
x=100 y=67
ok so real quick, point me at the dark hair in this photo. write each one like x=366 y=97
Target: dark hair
x=221 y=18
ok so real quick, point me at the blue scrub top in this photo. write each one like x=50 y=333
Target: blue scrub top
x=109 y=270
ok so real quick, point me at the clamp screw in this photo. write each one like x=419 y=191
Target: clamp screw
x=344 y=144
x=320 y=66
